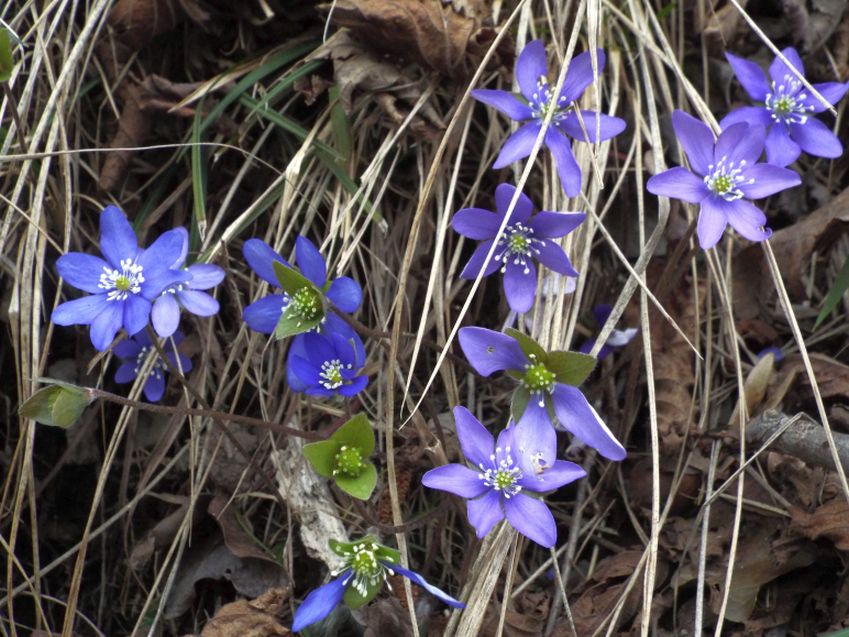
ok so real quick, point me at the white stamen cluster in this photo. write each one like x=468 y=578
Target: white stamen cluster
x=517 y=243
x=786 y=104
x=366 y=569
x=121 y=283
x=159 y=367
x=502 y=475
x=331 y=374
x=542 y=101
x=724 y=179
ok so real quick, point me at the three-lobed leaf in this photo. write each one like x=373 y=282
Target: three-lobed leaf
x=360 y=487
x=358 y=433
x=291 y=323
x=57 y=405
x=290 y=279
x=528 y=345
x=322 y=456
x=570 y=368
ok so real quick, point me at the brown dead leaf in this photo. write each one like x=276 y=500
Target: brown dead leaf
x=830 y=520
x=755 y=386
x=240 y=543
x=832 y=378
x=721 y=25
x=257 y=618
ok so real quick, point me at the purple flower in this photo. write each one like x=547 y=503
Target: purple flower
x=503 y=472
x=531 y=74
x=617 y=338
x=327 y=365
x=134 y=351
x=122 y=287
x=723 y=174
x=366 y=567
x=165 y=315
x=524 y=239
x=546 y=385
x=785 y=109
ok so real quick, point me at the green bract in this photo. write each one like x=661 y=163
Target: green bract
x=368 y=562
x=6 y=61
x=58 y=405
x=344 y=457
x=306 y=302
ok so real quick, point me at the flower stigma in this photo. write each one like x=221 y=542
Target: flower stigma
x=502 y=476
x=331 y=374
x=724 y=179
x=786 y=104
x=349 y=462
x=517 y=243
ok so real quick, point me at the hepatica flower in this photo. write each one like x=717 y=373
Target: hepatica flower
x=617 y=338
x=133 y=353
x=786 y=109
x=121 y=287
x=546 y=394
x=539 y=100
x=327 y=365
x=366 y=565
x=345 y=457
x=188 y=295
x=725 y=175
x=526 y=238
x=501 y=475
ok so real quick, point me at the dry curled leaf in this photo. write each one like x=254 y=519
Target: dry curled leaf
x=830 y=520
x=257 y=618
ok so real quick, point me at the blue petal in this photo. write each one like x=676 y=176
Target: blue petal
x=154 y=387
x=530 y=67
x=319 y=348
x=310 y=261
x=430 y=588
x=263 y=315
x=816 y=139
x=751 y=77
x=303 y=370
x=713 y=219
x=260 y=257
x=165 y=315
x=473 y=267
x=747 y=219
x=185 y=365
x=505 y=102
x=128 y=349
x=552 y=256
x=136 y=313
x=485 y=512
x=354 y=387
x=106 y=325
x=320 y=602
x=117 y=239
x=520 y=285
x=768 y=180
x=780 y=149
x=740 y=142
x=831 y=91
x=158 y=280
x=534 y=444
x=567 y=168
x=504 y=194
x=518 y=145
x=548 y=225
x=489 y=351
x=552 y=476
x=578 y=417
x=180 y=257
x=532 y=518
x=608 y=126
x=535 y=417
x=476 y=223
x=198 y=303
x=162 y=252
x=205 y=276
x=81 y=270
x=80 y=311
x=678 y=183
x=748 y=115
x=696 y=139
x=126 y=372
x=580 y=74
x=332 y=324
x=455 y=478
x=778 y=70
x=297 y=348
x=475 y=441
x=345 y=293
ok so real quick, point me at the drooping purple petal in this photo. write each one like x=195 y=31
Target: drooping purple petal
x=262 y=316
x=780 y=149
x=518 y=146
x=165 y=315
x=345 y=293
x=778 y=70
x=740 y=142
x=472 y=268
x=567 y=168
x=534 y=444
x=555 y=224
x=117 y=239
x=456 y=479
x=489 y=351
x=485 y=512
x=696 y=139
x=832 y=91
x=319 y=348
x=751 y=77
x=80 y=311
x=154 y=387
x=678 y=183
x=198 y=303
x=105 y=325
x=476 y=223
x=126 y=372
x=712 y=222
x=296 y=349
x=747 y=219
x=521 y=212
x=260 y=257
x=320 y=602
x=535 y=418
x=530 y=67
x=430 y=588
x=475 y=441
x=578 y=417
x=310 y=261
x=81 y=270
x=185 y=363
x=768 y=180
x=205 y=276
x=306 y=373
x=816 y=139
x=520 y=285
x=552 y=256
x=580 y=74
x=552 y=477
x=532 y=518
x=505 y=102
x=601 y=313
x=752 y=115
x=136 y=314
x=608 y=126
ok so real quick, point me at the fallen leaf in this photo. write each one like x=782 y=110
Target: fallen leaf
x=830 y=520
x=257 y=618
x=755 y=386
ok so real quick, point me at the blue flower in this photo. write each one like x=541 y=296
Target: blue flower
x=532 y=76
x=785 y=109
x=617 y=338
x=326 y=365
x=133 y=353
x=502 y=473
x=122 y=287
x=366 y=567
x=165 y=315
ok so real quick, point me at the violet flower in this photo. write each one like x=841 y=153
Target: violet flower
x=503 y=473
x=122 y=287
x=188 y=295
x=327 y=365
x=539 y=99
x=725 y=174
x=134 y=351
x=786 y=109
x=525 y=238
x=546 y=385
x=617 y=338
x=366 y=566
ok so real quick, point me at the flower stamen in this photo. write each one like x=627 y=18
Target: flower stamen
x=121 y=283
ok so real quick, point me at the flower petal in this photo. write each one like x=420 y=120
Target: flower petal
x=345 y=293
x=780 y=149
x=161 y=253
x=80 y=311
x=157 y=281
x=518 y=145
x=521 y=212
x=136 y=313
x=530 y=67
x=552 y=477
x=296 y=349
x=430 y=588
x=127 y=349
x=456 y=479
x=505 y=102
x=475 y=441
x=260 y=257
x=198 y=303
x=580 y=74
x=678 y=183
x=263 y=315
x=608 y=126
x=555 y=224
x=476 y=223
x=354 y=387
x=105 y=325
x=712 y=222
x=165 y=315
x=535 y=418
x=154 y=387
x=470 y=272
x=740 y=142
x=778 y=70
x=750 y=75
x=534 y=443
x=320 y=602
x=832 y=91
x=126 y=372
x=489 y=351
x=815 y=138
x=319 y=348
x=205 y=276
x=532 y=518
x=552 y=256
x=117 y=239
x=485 y=512
x=567 y=168
x=768 y=180
x=81 y=270
x=752 y=115
x=748 y=220
x=520 y=285
x=577 y=416
x=696 y=139
x=310 y=261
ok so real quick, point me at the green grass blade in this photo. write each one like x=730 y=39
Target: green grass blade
x=840 y=285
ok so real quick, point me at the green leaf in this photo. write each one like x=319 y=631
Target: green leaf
x=386 y=554
x=571 y=368
x=322 y=456
x=58 y=405
x=199 y=175
x=835 y=293
x=291 y=323
x=360 y=487
x=340 y=124
x=356 y=433
x=529 y=346
x=521 y=396
x=354 y=600
x=7 y=63
x=290 y=279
